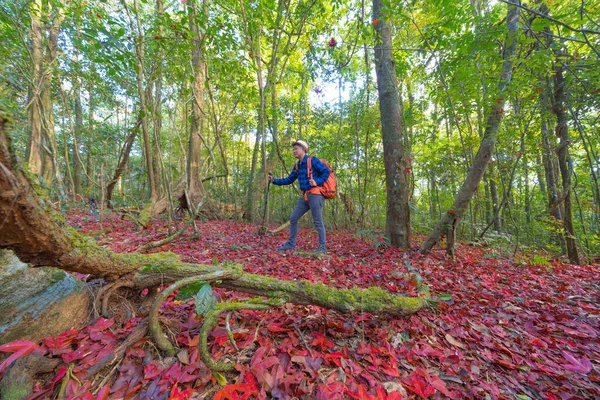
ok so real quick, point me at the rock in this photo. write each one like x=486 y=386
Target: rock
x=38 y=302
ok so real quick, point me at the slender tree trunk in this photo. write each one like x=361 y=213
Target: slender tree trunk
x=548 y=161
x=66 y=154
x=35 y=149
x=249 y=214
x=495 y=203
x=51 y=168
x=564 y=160
x=194 y=174
x=123 y=159
x=77 y=166
x=139 y=49
x=449 y=222
x=396 y=162
x=488 y=202
x=590 y=161
x=90 y=136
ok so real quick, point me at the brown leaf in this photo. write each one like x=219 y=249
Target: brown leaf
x=453 y=341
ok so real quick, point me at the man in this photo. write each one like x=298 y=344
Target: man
x=308 y=201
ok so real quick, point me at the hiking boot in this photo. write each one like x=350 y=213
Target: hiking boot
x=321 y=250
x=287 y=246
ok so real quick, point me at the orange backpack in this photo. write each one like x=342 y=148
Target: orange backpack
x=329 y=188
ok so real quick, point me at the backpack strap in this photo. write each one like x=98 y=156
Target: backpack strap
x=309 y=167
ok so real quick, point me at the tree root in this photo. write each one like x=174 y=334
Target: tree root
x=212 y=318
x=263 y=230
x=109 y=291
x=168 y=239
x=280 y=228
x=134 y=218
x=374 y=300
x=155 y=329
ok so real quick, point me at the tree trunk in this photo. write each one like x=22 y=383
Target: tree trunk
x=564 y=161
x=77 y=165
x=35 y=149
x=396 y=162
x=123 y=159
x=194 y=174
x=145 y=110
x=495 y=204
x=51 y=153
x=549 y=164
x=447 y=225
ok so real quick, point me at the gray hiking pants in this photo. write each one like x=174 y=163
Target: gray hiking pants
x=315 y=205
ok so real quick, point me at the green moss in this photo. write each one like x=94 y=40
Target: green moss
x=145 y=215
x=373 y=299
x=14 y=392
x=156 y=262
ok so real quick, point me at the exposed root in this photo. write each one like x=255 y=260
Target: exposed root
x=109 y=292
x=212 y=318
x=263 y=230
x=168 y=239
x=155 y=329
x=282 y=227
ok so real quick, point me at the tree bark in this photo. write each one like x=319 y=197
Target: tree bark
x=564 y=161
x=194 y=174
x=550 y=165
x=448 y=223
x=51 y=169
x=145 y=110
x=77 y=165
x=123 y=159
x=495 y=205
x=395 y=155
x=35 y=141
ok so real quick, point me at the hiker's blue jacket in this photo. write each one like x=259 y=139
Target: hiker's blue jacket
x=319 y=171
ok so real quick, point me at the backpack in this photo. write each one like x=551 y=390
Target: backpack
x=328 y=189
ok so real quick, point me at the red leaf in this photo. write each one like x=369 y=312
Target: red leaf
x=103 y=393
x=11 y=347
x=419 y=386
x=24 y=349
x=180 y=395
x=583 y=366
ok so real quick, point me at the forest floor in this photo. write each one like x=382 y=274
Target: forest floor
x=502 y=327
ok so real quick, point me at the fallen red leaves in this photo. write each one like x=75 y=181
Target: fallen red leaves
x=508 y=330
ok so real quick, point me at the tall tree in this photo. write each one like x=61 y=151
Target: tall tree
x=194 y=173
x=143 y=94
x=564 y=161
x=450 y=220
x=41 y=151
x=397 y=166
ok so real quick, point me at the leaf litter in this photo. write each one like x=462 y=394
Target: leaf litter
x=499 y=328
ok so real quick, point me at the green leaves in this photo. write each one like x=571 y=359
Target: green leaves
x=205 y=300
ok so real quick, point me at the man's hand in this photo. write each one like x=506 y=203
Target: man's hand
x=270 y=178
x=312 y=182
